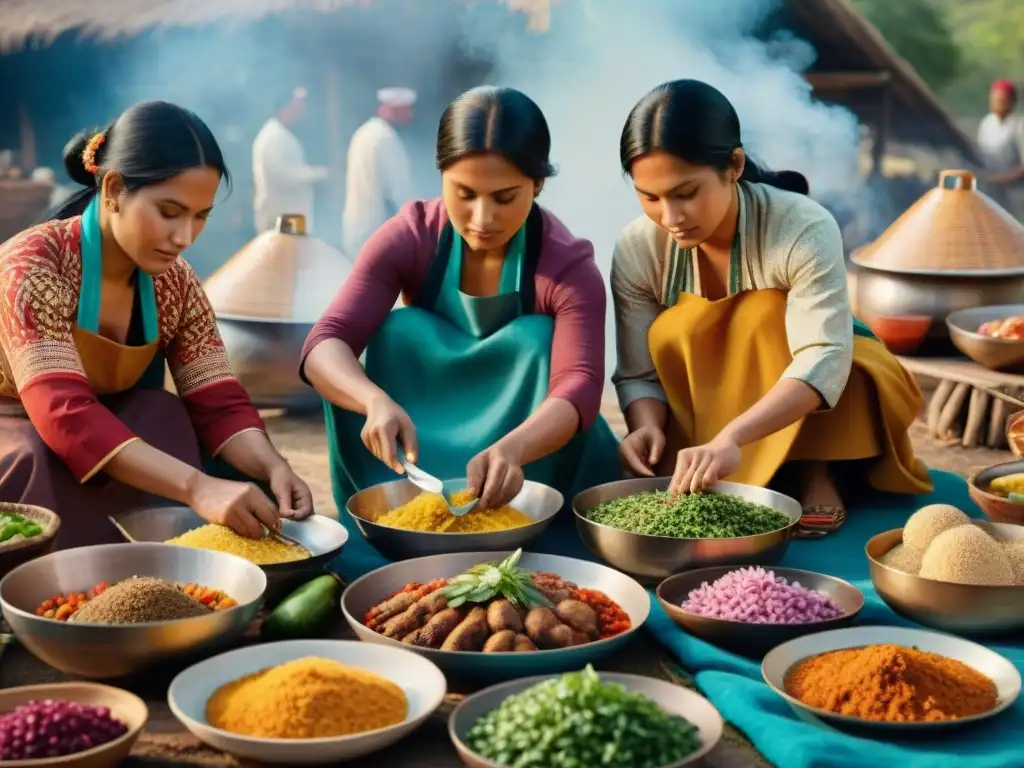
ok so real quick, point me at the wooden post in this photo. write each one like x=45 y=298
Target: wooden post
x=881 y=132
x=26 y=137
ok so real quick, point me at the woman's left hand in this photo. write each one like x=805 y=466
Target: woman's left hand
x=701 y=467
x=495 y=476
x=294 y=499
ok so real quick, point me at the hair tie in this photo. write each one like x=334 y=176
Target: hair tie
x=89 y=154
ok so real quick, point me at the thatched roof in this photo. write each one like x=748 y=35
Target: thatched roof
x=848 y=43
x=25 y=22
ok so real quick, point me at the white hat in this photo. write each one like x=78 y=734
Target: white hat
x=396 y=97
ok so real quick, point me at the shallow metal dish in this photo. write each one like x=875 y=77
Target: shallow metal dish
x=997 y=508
x=124 y=706
x=996 y=354
x=118 y=650
x=966 y=609
x=422 y=682
x=672 y=698
x=754 y=639
x=322 y=536
x=778 y=662
x=371 y=589
x=535 y=500
x=652 y=558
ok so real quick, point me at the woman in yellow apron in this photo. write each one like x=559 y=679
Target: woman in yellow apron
x=91 y=305
x=737 y=349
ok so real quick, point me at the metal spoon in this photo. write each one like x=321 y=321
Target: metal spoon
x=430 y=484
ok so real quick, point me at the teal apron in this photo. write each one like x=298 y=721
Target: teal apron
x=468 y=370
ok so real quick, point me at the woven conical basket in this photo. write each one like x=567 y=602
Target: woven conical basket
x=953 y=228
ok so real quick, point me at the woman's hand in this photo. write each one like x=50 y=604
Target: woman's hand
x=641 y=450
x=495 y=476
x=242 y=507
x=701 y=467
x=294 y=499
x=386 y=424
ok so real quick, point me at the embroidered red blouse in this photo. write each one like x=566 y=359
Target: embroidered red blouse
x=40 y=281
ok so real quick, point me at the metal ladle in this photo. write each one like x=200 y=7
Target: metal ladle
x=431 y=484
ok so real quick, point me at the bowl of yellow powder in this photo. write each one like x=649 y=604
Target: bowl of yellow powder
x=307 y=702
x=402 y=521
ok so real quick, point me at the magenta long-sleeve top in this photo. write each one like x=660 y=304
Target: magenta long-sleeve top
x=568 y=287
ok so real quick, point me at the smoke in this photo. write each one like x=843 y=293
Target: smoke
x=589 y=70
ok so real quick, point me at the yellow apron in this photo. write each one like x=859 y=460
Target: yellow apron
x=715 y=359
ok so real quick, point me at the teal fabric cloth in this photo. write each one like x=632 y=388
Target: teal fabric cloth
x=467 y=371
x=735 y=686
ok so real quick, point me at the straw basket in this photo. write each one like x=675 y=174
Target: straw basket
x=952 y=228
x=18 y=550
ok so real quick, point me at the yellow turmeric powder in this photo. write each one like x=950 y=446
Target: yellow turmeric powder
x=310 y=698
x=428 y=512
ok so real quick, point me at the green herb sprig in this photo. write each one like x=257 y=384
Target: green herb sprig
x=486 y=581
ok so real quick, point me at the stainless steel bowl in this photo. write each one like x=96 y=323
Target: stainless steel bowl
x=537 y=501
x=754 y=639
x=996 y=354
x=965 y=609
x=672 y=698
x=652 y=558
x=118 y=650
x=322 y=536
x=373 y=588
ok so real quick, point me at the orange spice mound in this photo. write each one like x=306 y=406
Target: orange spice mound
x=891 y=683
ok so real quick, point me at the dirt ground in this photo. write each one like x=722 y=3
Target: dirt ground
x=302 y=442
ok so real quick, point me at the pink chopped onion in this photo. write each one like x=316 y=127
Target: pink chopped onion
x=756 y=596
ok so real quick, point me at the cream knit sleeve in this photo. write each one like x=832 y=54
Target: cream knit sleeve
x=635 y=282
x=819 y=321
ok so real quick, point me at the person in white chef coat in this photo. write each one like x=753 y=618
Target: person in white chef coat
x=379 y=176
x=1001 y=141
x=284 y=181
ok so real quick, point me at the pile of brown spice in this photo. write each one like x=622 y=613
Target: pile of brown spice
x=891 y=683
x=138 y=600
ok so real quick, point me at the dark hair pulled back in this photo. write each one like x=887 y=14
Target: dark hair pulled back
x=500 y=120
x=149 y=143
x=695 y=122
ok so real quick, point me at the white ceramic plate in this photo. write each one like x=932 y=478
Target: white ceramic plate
x=672 y=698
x=422 y=681
x=1001 y=671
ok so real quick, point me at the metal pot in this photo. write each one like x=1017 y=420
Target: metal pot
x=876 y=293
x=267 y=298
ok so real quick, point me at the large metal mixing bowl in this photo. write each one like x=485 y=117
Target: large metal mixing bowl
x=964 y=609
x=322 y=536
x=118 y=650
x=993 y=353
x=877 y=293
x=535 y=500
x=651 y=558
x=264 y=355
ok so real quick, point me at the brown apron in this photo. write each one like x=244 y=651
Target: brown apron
x=112 y=367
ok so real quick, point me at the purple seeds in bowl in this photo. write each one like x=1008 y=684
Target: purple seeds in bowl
x=749 y=609
x=54 y=728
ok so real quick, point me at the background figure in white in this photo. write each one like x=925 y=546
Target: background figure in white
x=379 y=177
x=1001 y=141
x=283 y=181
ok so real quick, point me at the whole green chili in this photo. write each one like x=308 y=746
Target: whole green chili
x=688 y=516
x=578 y=721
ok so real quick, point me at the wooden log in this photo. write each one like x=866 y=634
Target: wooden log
x=939 y=397
x=976 y=412
x=949 y=427
x=997 y=424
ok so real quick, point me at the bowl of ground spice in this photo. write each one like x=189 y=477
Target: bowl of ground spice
x=403 y=522
x=132 y=605
x=306 y=702
x=750 y=610
x=891 y=678
x=638 y=527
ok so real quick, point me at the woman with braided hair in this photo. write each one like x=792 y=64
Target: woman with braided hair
x=92 y=303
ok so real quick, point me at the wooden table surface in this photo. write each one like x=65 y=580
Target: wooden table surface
x=165 y=742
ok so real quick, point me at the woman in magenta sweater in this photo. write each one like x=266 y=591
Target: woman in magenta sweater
x=494 y=369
